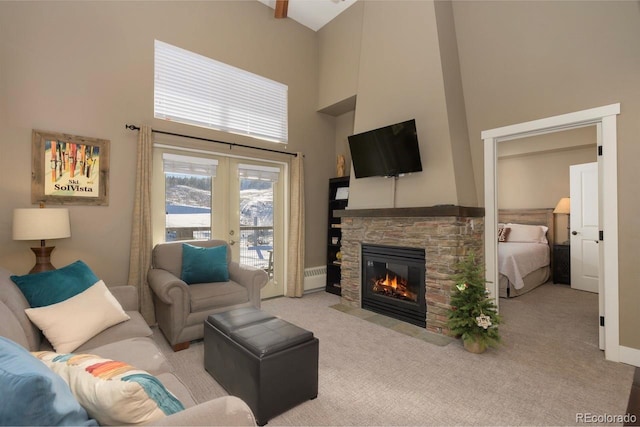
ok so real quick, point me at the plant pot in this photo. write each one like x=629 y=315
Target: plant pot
x=474 y=346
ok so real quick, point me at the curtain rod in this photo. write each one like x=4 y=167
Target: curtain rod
x=230 y=144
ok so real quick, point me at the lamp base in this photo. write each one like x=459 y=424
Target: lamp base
x=43 y=259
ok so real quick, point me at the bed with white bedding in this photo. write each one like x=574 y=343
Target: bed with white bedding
x=517 y=261
x=524 y=257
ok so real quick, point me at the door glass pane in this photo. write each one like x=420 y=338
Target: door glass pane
x=187 y=207
x=256 y=223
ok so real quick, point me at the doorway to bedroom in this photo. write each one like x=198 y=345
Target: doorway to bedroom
x=533 y=177
x=604 y=119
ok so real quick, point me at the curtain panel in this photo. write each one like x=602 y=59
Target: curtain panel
x=295 y=271
x=141 y=239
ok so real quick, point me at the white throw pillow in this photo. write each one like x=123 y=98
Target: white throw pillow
x=70 y=323
x=112 y=392
x=527 y=233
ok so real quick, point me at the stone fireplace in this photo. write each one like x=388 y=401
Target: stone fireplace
x=445 y=234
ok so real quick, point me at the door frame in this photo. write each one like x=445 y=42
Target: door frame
x=604 y=118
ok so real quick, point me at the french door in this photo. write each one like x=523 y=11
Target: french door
x=255 y=227
x=239 y=200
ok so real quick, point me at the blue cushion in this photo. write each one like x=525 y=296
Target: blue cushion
x=32 y=394
x=204 y=265
x=52 y=287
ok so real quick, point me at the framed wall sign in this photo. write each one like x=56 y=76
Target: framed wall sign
x=69 y=170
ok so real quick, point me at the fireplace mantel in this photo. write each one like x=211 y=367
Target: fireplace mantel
x=427 y=211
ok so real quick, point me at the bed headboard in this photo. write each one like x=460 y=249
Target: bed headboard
x=531 y=217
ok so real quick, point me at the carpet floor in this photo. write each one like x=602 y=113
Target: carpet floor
x=547 y=370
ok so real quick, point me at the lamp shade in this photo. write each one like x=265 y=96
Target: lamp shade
x=563 y=206
x=41 y=224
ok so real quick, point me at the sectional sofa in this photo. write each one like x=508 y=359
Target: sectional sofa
x=128 y=342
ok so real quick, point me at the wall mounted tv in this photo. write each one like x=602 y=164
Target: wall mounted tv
x=388 y=151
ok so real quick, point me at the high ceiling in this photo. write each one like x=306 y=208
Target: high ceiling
x=313 y=14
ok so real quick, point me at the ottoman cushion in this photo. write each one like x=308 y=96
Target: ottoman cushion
x=233 y=319
x=270 y=336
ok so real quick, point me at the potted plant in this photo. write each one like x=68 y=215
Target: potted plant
x=473 y=315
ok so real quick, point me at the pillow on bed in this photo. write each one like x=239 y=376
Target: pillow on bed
x=527 y=233
x=503 y=234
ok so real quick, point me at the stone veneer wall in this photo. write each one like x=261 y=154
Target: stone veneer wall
x=446 y=241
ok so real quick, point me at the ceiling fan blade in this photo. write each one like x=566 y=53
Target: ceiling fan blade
x=281 y=8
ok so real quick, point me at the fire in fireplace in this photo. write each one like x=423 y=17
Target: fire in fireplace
x=393 y=282
x=394 y=286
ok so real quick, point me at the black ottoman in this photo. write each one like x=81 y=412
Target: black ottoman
x=269 y=363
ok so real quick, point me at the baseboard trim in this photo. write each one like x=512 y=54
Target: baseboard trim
x=630 y=356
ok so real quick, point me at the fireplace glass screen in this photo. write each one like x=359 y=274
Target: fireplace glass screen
x=393 y=282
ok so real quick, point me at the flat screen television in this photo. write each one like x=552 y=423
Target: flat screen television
x=388 y=151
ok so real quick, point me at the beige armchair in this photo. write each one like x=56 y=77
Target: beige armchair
x=181 y=309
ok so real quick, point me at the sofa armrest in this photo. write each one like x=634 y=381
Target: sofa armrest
x=223 y=411
x=251 y=278
x=166 y=286
x=127 y=296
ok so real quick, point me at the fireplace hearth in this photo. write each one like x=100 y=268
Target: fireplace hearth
x=393 y=282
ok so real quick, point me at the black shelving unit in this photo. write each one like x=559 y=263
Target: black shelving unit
x=338 y=199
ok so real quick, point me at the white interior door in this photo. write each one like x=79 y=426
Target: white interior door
x=584 y=237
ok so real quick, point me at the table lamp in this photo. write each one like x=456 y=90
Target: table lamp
x=41 y=224
x=564 y=207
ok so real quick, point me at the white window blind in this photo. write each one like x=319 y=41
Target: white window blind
x=196 y=90
x=263 y=173
x=186 y=165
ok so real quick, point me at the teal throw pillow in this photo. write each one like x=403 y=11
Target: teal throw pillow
x=204 y=265
x=52 y=287
x=32 y=395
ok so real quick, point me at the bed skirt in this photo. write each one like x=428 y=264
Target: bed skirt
x=531 y=281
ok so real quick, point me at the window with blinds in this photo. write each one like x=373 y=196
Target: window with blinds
x=200 y=91
x=188 y=165
x=260 y=173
